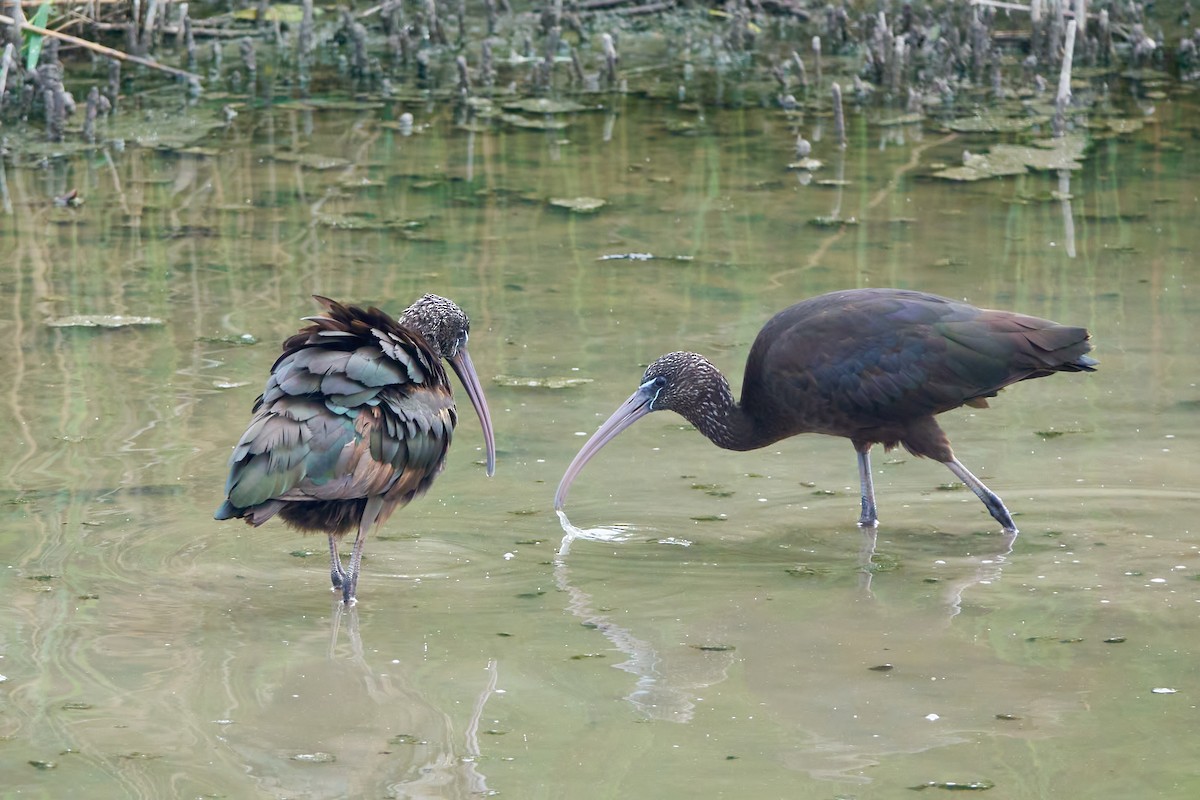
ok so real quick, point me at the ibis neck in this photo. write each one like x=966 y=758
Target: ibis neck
x=726 y=423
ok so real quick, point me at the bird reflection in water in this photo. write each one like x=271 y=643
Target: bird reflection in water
x=661 y=691
x=448 y=770
x=981 y=570
x=668 y=684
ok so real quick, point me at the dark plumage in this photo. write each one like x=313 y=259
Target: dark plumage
x=355 y=422
x=873 y=365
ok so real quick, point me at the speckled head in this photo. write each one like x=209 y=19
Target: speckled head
x=684 y=382
x=441 y=322
x=445 y=326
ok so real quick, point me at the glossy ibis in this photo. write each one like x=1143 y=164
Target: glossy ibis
x=354 y=422
x=873 y=365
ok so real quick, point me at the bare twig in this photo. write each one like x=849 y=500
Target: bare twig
x=839 y=119
x=34 y=3
x=1064 y=83
x=101 y=49
x=5 y=59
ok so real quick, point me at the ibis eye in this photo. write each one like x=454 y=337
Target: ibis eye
x=654 y=387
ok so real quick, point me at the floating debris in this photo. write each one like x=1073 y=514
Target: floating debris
x=1125 y=126
x=1115 y=640
x=807 y=164
x=315 y=758
x=331 y=105
x=244 y=339
x=543 y=105
x=1054 y=434
x=522 y=382
x=955 y=786
x=832 y=222
x=1007 y=717
x=582 y=656
x=713 y=648
x=684 y=127
x=1009 y=159
x=881 y=562
x=42 y=764
x=406 y=738
x=314 y=161
x=881 y=668
x=517 y=121
x=710 y=518
x=101 y=321
x=987 y=123
x=642 y=257
x=1122 y=217
x=286 y=13
x=579 y=205
x=1163 y=690
x=627 y=257
x=805 y=571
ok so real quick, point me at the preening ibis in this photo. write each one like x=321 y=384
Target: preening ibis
x=872 y=365
x=355 y=422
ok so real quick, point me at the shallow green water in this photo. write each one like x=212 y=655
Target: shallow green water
x=715 y=635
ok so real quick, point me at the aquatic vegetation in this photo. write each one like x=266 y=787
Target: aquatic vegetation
x=969 y=68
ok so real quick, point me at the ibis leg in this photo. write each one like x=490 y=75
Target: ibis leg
x=337 y=575
x=868 y=518
x=370 y=513
x=994 y=504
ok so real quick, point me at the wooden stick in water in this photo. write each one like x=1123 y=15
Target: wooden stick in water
x=1064 y=82
x=5 y=59
x=101 y=49
x=839 y=119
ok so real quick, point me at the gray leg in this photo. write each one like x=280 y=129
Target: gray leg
x=337 y=575
x=994 y=504
x=370 y=513
x=868 y=518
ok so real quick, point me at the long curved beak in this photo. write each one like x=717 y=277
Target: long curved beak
x=464 y=368
x=633 y=409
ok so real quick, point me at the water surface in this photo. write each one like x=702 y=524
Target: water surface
x=726 y=630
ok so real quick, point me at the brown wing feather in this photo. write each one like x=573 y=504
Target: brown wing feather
x=860 y=362
x=356 y=406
